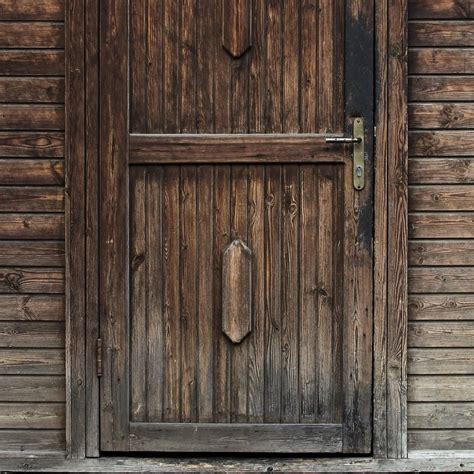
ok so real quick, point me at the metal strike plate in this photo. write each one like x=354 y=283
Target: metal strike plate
x=358 y=154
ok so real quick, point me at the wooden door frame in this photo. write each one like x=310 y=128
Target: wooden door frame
x=390 y=229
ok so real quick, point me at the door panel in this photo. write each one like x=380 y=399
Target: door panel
x=183 y=367
x=288 y=78
x=235 y=253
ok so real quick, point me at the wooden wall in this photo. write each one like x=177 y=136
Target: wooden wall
x=32 y=392
x=441 y=225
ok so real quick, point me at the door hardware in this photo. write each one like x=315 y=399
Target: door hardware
x=358 y=153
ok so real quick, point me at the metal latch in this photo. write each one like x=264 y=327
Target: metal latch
x=357 y=140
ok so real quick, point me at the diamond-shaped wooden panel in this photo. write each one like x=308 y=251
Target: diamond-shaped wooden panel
x=237 y=291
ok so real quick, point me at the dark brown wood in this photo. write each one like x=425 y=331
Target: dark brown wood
x=441 y=61
x=31 y=199
x=243 y=438
x=32 y=362
x=162 y=149
x=441 y=143
x=32 y=62
x=442 y=9
x=31 y=89
x=34 y=10
x=31 y=172
x=43 y=253
x=236 y=27
x=27 y=334
x=439 y=33
x=114 y=302
x=441 y=116
x=31 y=280
x=31 y=35
x=31 y=308
x=32 y=144
x=32 y=226
x=437 y=88
x=31 y=117
x=441 y=171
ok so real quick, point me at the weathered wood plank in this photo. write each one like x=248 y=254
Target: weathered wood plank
x=449 y=115
x=162 y=149
x=440 y=9
x=434 y=88
x=454 y=440
x=432 y=225
x=32 y=389
x=31 y=172
x=441 y=171
x=32 y=334
x=32 y=62
x=441 y=252
x=440 y=415
x=31 y=199
x=34 y=10
x=441 y=198
x=32 y=226
x=31 y=35
x=32 y=415
x=441 y=33
x=437 y=334
x=33 y=254
x=441 y=279
x=31 y=117
x=31 y=280
x=441 y=143
x=263 y=438
x=44 y=441
x=32 y=362
x=441 y=61
x=31 y=308
x=441 y=307
x=444 y=388
x=32 y=89
x=440 y=361
x=32 y=144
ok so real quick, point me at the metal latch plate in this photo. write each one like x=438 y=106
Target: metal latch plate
x=358 y=158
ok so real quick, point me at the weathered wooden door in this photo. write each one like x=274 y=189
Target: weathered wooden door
x=235 y=249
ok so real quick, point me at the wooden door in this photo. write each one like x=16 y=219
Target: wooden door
x=235 y=251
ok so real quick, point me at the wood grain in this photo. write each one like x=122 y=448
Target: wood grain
x=437 y=88
x=31 y=226
x=32 y=89
x=31 y=35
x=34 y=389
x=441 y=389
x=446 y=362
x=33 y=10
x=441 y=9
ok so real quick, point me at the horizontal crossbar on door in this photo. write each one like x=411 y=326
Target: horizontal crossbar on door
x=261 y=148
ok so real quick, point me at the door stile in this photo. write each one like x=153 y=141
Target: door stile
x=114 y=240
x=358 y=254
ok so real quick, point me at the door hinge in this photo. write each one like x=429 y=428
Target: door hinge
x=98 y=357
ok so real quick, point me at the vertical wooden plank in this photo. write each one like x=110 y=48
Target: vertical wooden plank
x=187 y=45
x=380 y=233
x=154 y=66
x=239 y=356
x=188 y=285
x=358 y=262
x=206 y=313
x=291 y=66
x=222 y=81
x=114 y=229
x=309 y=229
x=139 y=290
x=397 y=255
x=273 y=111
x=236 y=27
x=257 y=69
x=92 y=223
x=256 y=198
x=138 y=66
x=205 y=98
x=171 y=301
x=75 y=226
x=154 y=296
x=290 y=295
x=171 y=55
x=273 y=196
x=326 y=297
x=222 y=238
x=309 y=75
x=330 y=64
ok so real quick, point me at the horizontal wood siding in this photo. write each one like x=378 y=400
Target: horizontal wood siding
x=441 y=225
x=32 y=373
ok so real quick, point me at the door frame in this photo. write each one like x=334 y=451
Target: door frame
x=390 y=227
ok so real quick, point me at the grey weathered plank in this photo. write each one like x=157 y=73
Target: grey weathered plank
x=32 y=362
x=32 y=415
x=441 y=307
x=31 y=280
x=445 y=388
x=32 y=389
x=440 y=361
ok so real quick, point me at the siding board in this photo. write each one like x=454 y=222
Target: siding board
x=32 y=311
